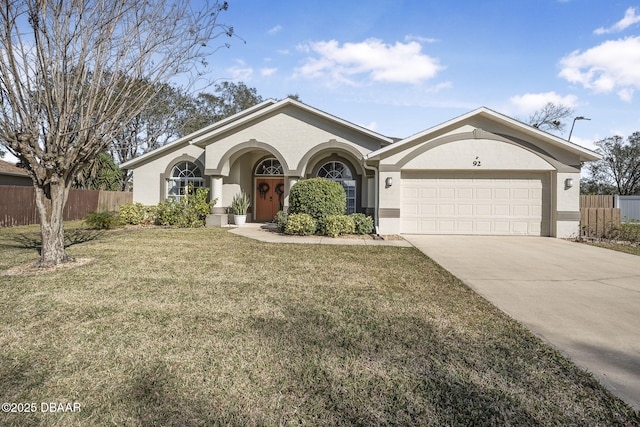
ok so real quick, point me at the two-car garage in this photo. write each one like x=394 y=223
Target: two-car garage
x=474 y=203
x=481 y=173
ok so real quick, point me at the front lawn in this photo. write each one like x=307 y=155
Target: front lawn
x=201 y=327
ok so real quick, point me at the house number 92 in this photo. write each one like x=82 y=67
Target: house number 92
x=477 y=162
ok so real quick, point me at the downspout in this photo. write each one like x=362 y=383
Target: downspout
x=375 y=193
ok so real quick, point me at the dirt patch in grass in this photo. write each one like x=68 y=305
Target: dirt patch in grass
x=34 y=268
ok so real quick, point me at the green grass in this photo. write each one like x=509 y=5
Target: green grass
x=628 y=232
x=201 y=327
x=634 y=250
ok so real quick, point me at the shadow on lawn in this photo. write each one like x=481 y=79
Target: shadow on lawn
x=154 y=399
x=34 y=240
x=394 y=370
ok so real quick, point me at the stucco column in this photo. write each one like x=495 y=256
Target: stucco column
x=289 y=182
x=216 y=193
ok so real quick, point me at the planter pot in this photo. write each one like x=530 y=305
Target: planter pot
x=239 y=219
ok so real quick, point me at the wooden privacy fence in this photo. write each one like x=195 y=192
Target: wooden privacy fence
x=598 y=217
x=18 y=204
x=597 y=201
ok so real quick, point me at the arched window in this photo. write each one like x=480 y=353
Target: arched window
x=183 y=175
x=270 y=166
x=339 y=172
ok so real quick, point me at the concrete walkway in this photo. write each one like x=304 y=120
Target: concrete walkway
x=266 y=233
x=583 y=300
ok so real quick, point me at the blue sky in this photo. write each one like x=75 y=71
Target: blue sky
x=399 y=67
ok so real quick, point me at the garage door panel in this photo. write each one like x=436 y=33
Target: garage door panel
x=465 y=210
x=483 y=210
x=478 y=204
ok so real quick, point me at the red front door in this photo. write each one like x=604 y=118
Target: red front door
x=269 y=197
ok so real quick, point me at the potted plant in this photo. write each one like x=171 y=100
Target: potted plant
x=240 y=206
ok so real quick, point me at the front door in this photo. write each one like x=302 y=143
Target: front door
x=269 y=197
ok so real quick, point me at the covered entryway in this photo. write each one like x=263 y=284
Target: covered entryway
x=269 y=189
x=497 y=203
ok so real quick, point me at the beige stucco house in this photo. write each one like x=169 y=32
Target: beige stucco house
x=480 y=173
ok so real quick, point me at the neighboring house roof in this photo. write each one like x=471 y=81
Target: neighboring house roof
x=483 y=112
x=7 y=168
x=202 y=137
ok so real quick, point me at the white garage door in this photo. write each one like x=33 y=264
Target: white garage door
x=472 y=204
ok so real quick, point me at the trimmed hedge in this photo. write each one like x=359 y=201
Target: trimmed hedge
x=317 y=197
x=363 y=223
x=300 y=224
x=339 y=225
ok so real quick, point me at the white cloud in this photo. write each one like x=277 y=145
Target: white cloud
x=275 y=30
x=266 y=72
x=531 y=102
x=372 y=126
x=380 y=62
x=612 y=65
x=419 y=39
x=629 y=19
x=283 y=51
x=241 y=71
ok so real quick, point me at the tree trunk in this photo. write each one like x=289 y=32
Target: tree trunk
x=50 y=201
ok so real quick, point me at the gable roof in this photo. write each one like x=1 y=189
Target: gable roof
x=7 y=168
x=187 y=138
x=200 y=140
x=200 y=137
x=483 y=112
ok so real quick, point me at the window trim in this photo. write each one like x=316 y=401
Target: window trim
x=352 y=201
x=183 y=180
x=279 y=169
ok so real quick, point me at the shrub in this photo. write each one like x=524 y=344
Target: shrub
x=629 y=231
x=197 y=208
x=190 y=211
x=300 y=224
x=363 y=223
x=317 y=197
x=281 y=221
x=136 y=213
x=101 y=220
x=338 y=225
x=168 y=212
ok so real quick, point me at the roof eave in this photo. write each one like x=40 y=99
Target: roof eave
x=195 y=135
x=584 y=153
x=200 y=141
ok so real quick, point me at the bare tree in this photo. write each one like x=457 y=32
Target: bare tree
x=160 y=122
x=67 y=82
x=549 y=117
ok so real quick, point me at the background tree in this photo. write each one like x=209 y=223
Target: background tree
x=101 y=174
x=68 y=73
x=161 y=121
x=619 y=170
x=228 y=99
x=549 y=117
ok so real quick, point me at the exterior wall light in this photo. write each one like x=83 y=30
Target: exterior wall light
x=568 y=183
x=388 y=182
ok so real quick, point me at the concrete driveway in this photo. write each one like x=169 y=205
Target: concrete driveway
x=583 y=300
